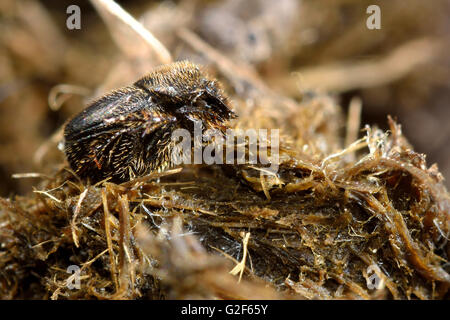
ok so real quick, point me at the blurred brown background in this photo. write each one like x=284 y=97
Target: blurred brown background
x=401 y=69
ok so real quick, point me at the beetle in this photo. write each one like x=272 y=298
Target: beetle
x=127 y=132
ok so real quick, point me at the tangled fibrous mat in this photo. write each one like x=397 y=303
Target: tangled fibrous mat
x=365 y=221
x=349 y=214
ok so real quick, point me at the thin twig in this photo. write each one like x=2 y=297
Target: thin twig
x=112 y=8
x=109 y=241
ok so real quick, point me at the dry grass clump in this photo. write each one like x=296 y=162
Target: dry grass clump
x=311 y=231
x=338 y=211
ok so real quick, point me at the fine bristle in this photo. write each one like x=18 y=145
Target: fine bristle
x=182 y=75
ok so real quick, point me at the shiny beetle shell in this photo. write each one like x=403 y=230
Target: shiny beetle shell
x=127 y=132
